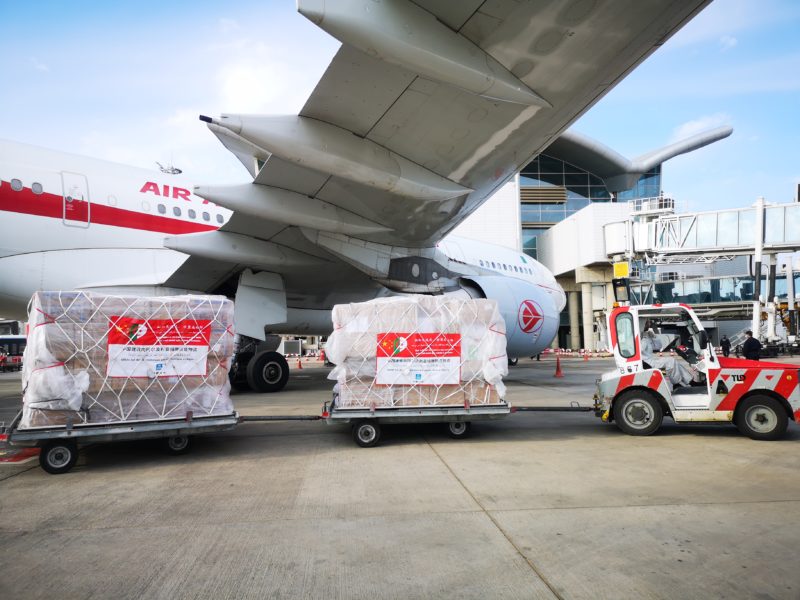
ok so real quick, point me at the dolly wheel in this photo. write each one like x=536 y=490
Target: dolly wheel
x=58 y=456
x=458 y=429
x=367 y=433
x=177 y=444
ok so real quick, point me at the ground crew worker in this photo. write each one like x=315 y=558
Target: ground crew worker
x=725 y=344
x=751 y=347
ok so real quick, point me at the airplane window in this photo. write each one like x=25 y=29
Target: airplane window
x=206 y=216
x=16 y=185
x=220 y=219
x=176 y=211
x=493 y=266
x=481 y=263
x=516 y=269
x=192 y=214
x=36 y=188
x=112 y=200
x=162 y=209
x=505 y=267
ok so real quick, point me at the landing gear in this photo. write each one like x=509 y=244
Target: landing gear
x=238 y=373
x=267 y=372
x=512 y=362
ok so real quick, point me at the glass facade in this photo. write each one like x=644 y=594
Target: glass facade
x=713 y=290
x=552 y=189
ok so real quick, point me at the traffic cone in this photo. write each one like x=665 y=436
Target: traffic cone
x=586 y=355
x=322 y=355
x=299 y=364
x=558 y=367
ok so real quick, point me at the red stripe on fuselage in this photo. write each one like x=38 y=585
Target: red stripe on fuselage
x=50 y=205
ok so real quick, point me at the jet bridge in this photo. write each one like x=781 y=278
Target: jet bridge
x=656 y=235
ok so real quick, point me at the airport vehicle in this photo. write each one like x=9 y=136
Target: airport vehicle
x=759 y=397
x=354 y=197
x=366 y=423
x=59 y=445
x=11 y=350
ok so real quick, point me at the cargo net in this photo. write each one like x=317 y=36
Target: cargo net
x=97 y=359
x=417 y=351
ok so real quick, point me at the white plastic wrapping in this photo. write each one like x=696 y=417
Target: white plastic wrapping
x=475 y=377
x=93 y=358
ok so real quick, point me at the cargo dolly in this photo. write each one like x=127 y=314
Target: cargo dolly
x=366 y=422
x=59 y=444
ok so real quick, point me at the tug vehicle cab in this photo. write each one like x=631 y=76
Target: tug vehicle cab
x=665 y=366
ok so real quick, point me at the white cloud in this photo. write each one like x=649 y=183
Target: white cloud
x=724 y=18
x=39 y=65
x=698 y=125
x=227 y=25
x=727 y=42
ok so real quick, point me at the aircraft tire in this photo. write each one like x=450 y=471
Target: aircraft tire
x=267 y=372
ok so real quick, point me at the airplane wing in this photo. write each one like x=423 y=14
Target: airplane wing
x=556 y=58
x=427 y=108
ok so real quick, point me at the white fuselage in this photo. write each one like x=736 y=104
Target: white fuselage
x=71 y=222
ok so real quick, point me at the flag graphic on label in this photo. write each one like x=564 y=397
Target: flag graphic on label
x=418 y=359
x=157 y=347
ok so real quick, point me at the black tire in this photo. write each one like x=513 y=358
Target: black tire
x=762 y=418
x=267 y=372
x=177 y=444
x=458 y=429
x=512 y=362
x=638 y=412
x=58 y=456
x=367 y=433
x=238 y=373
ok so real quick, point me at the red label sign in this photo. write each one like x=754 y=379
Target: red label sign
x=418 y=359
x=158 y=332
x=157 y=347
x=419 y=345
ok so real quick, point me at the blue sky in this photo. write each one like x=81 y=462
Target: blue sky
x=126 y=82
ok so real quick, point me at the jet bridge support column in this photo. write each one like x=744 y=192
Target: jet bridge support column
x=574 y=323
x=790 y=298
x=757 y=258
x=587 y=317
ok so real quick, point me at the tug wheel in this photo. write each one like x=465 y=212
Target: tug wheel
x=637 y=412
x=762 y=418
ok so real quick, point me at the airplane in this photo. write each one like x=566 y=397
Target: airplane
x=424 y=112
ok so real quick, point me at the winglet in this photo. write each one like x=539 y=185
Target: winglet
x=206 y=119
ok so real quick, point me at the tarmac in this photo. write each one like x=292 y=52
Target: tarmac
x=538 y=505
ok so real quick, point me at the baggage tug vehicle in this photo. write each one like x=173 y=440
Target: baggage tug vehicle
x=759 y=397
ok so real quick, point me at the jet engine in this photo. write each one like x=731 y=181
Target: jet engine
x=530 y=311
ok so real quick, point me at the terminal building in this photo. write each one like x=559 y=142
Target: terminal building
x=580 y=185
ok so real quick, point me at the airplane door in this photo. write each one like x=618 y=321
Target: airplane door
x=77 y=208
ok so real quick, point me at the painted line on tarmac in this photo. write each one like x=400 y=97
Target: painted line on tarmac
x=15 y=457
x=531 y=564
